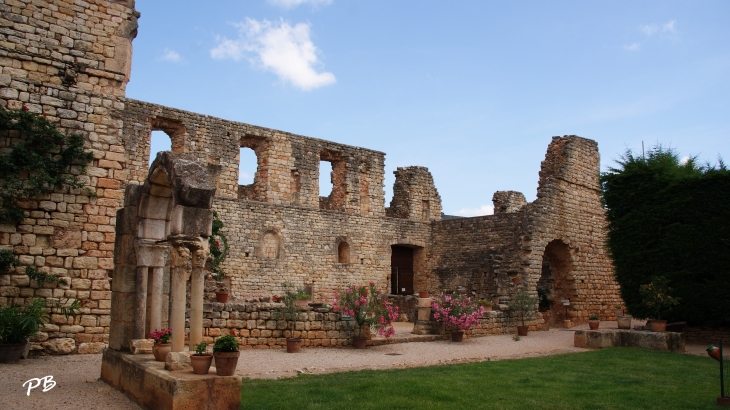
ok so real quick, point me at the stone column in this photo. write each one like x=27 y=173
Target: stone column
x=140 y=303
x=178 y=276
x=197 y=284
x=151 y=259
x=156 y=298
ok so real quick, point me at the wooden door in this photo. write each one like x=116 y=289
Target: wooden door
x=401 y=271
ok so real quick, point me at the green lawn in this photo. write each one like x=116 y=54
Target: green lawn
x=618 y=378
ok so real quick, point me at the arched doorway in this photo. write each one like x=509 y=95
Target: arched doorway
x=556 y=281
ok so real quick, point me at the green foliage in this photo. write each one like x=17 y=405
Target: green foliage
x=200 y=349
x=671 y=219
x=609 y=379
x=218 y=244
x=43 y=277
x=227 y=343
x=291 y=294
x=7 y=260
x=523 y=305
x=40 y=161
x=594 y=317
x=19 y=323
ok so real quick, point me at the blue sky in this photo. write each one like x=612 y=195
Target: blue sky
x=473 y=90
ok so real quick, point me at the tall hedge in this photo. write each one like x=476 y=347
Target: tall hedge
x=672 y=219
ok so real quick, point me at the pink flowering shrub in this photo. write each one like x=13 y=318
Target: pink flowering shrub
x=456 y=311
x=161 y=336
x=367 y=305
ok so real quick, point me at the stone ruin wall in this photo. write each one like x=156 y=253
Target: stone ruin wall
x=279 y=228
x=566 y=221
x=69 y=61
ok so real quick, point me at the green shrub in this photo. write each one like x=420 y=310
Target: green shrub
x=7 y=260
x=227 y=343
x=671 y=219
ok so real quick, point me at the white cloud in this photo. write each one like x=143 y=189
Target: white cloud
x=482 y=210
x=288 y=4
x=171 y=56
x=279 y=47
x=684 y=160
x=632 y=47
x=651 y=29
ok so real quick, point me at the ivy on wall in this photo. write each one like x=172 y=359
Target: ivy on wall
x=218 y=244
x=671 y=219
x=35 y=160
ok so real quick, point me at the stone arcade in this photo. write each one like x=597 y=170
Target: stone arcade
x=70 y=60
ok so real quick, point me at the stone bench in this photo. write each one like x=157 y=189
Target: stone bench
x=663 y=341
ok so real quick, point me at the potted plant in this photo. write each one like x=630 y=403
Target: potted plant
x=486 y=304
x=495 y=299
x=524 y=306
x=422 y=294
x=201 y=360
x=20 y=323
x=369 y=308
x=302 y=298
x=221 y=293
x=656 y=296
x=456 y=311
x=162 y=343
x=593 y=322
x=291 y=309
x=618 y=311
x=225 y=353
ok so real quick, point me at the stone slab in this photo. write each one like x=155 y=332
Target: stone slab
x=146 y=382
x=662 y=341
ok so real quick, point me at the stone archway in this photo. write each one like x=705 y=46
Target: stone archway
x=165 y=223
x=556 y=282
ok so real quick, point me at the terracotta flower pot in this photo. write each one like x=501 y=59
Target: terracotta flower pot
x=160 y=351
x=225 y=363
x=423 y=294
x=624 y=322
x=221 y=297
x=714 y=352
x=293 y=345
x=201 y=364
x=618 y=312
x=522 y=330
x=301 y=302
x=516 y=280
x=359 y=342
x=457 y=336
x=11 y=352
x=593 y=324
x=495 y=300
x=658 y=325
x=487 y=308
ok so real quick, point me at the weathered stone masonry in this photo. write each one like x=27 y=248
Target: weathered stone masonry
x=70 y=61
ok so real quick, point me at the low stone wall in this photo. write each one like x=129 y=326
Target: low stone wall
x=263 y=325
x=663 y=341
x=707 y=335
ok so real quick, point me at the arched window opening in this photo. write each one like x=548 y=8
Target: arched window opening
x=343 y=252
x=159 y=141
x=325 y=178
x=247 y=166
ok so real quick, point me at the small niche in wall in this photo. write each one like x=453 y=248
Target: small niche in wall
x=343 y=252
